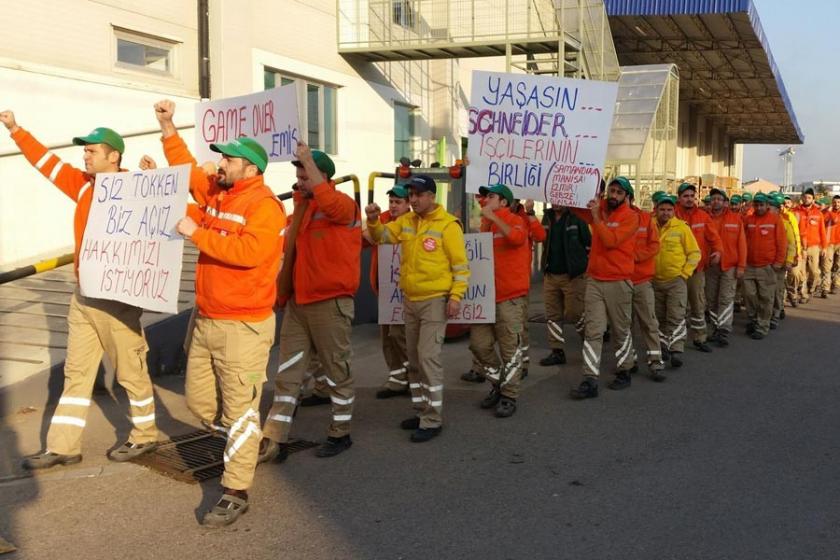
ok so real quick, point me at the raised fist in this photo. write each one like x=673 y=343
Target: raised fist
x=8 y=119
x=372 y=210
x=164 y=110
x=146 y=163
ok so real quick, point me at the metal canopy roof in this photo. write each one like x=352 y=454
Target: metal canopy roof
x=726 y=67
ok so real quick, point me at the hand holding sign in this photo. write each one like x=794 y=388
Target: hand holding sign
x=186 y=226
x=147 y=162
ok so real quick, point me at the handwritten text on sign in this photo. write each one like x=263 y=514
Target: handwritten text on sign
x=269 y=117
x=131 y=251
x=479 y=303
x=544 y=137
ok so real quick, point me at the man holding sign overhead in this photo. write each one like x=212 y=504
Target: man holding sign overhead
x=237 y=226
x=96 y=326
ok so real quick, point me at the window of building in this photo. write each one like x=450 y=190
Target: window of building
x=318 y=106
x=402 y=13
x=137 y=51
x=404 y=117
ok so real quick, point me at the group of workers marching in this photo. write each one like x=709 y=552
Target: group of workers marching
x=605 y=267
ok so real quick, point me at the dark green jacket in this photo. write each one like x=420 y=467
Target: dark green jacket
x=577 y=240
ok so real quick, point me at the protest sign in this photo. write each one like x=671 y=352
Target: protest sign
x=270 y=117
x=131 y=251
x=544 y=137
x=479 y=303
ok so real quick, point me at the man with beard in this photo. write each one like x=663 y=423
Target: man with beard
x=766 y=252
x=831 y=261
x=238 y=227
x=814 y=243
x=722 y=278
x=609 y=291
x=710 y=245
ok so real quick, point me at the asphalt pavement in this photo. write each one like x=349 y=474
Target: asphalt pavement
x=735 y=456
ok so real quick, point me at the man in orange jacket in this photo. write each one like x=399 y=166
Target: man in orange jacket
x=766 y=253
x=644 y=300
x=392 y=336
x=814 y=243
x=512 y=266
x=831 y=261
x=95 y=326
x=536 y=234
x=710 y=245
x=609 y=291
x=238 y=227
x=325 y=276
x=722 y=278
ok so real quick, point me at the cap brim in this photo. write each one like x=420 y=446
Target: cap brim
x=82 y=140
x=483 y=191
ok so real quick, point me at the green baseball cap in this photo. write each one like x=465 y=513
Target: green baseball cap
x=684 y=187
x=657 y=195
x=498 y=189
x=825 y=200
x=760 y=197
x=736 y=199
x=777 y=200
x=246 y=148
x=102 y=135
x=746 y=197
x=707 y=199
x=624 y=183
x=398 y=191
x=667 y=199
x=322 y=161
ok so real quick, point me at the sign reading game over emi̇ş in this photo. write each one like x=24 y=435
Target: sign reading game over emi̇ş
x=544 y=137
x=270 y=117
x=479 y=303
x=131 y=251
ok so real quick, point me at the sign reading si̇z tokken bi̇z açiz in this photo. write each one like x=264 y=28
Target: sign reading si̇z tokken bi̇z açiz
x=131 y=251
x=544 y=137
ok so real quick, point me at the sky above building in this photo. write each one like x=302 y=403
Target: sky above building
x=803 y=40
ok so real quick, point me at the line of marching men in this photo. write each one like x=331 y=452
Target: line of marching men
x=605 y=267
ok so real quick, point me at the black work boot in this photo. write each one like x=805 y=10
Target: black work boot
x=333 y=446
x=588 y=389
x=622 y=381
x=722 y=338
x=676 y=359
x=473 y=376
x=315 y=400
x=492 y=399
x=702 y=346
x=387 y=393
x=556 y=358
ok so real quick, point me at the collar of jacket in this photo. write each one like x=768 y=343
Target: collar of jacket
x=436 y=214
x=606 y=212
x=244 y=185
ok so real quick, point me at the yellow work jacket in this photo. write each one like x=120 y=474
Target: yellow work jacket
x=434 y=259
x=678 y=251
x=794 y=244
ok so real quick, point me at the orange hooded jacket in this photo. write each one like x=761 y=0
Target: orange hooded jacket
x=612 y=256
x=647 y=246
x=240 y=237
x=766 y=240
x=730 y=227
x=832 y=226
x=704 y=232
x=811 y=227
x=511 y=257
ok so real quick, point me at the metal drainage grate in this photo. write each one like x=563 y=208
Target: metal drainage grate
x=197 y=456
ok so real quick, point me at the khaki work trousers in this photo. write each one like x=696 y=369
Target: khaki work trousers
x=226 y=370
x=779 y=295
x=830 y=268
x=607 y=303
x=811 y=271
x=322 y=327
x=526 y=339
x=759 y=293
x=696 y=285
x=315 y=378
x=97 y=327
x=644 y=314
x=671 y=302
x=396 y=356
x=720 y=297
x=563 y=297
x=425 y=329
x=504 y=373
x=794 y=279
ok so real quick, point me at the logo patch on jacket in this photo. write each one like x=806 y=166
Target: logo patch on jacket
x=429 y=244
